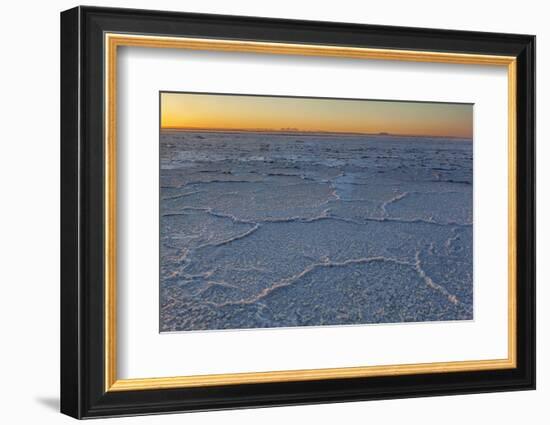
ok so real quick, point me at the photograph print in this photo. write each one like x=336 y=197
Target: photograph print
x=280 y=212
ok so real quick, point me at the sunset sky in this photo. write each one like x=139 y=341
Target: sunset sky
x=238 y=112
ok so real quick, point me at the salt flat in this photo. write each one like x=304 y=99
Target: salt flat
x=279 y=230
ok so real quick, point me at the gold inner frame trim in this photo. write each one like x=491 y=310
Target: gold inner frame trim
x=112 y=41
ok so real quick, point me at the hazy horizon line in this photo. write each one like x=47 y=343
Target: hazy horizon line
x=298 y=131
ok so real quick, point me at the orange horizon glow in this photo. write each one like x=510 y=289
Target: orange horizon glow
x=194 y=111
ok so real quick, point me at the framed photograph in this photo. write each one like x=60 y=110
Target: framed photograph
x=261 y=212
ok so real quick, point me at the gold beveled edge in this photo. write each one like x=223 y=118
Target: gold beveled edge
x=306 y=375
x=110 y=214
x=112 y=41
x=136 y=40
x=512 y=213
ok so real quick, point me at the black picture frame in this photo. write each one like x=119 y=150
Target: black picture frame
x=83 y=392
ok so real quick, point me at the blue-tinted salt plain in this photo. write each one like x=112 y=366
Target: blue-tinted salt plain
x=278 y=230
